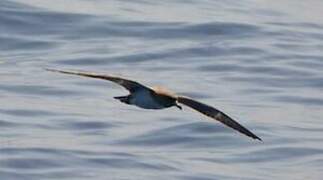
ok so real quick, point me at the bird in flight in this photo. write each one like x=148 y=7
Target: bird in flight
x=158 y=98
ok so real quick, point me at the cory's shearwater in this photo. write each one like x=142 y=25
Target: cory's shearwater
x=158 y=98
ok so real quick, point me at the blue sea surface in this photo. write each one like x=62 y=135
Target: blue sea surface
x=261 y=62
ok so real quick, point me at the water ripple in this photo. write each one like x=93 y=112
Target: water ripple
x=167 y=30
x=35 y=90
x=26 y=112
x=29 y=163
x=188 y=135
x=300 y=100
x=282 y=153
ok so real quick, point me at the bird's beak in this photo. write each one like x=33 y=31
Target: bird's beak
x=178 y=106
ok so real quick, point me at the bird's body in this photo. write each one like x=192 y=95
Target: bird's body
x=158 y=98
x=149 y=99
x=145 y=99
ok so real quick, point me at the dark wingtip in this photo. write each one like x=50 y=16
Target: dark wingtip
x=62 y=71
x=250 y=134
x=52 y=70
x=258 y=138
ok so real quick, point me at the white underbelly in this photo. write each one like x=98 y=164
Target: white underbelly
x=143 y=99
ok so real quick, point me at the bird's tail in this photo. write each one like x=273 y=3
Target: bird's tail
x=124 y=99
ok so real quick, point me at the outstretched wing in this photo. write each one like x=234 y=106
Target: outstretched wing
x=216 y=114
x=128 y=84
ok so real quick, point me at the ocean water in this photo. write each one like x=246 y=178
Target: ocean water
x=261 y=62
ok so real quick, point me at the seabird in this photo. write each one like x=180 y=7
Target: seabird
x=158 y=98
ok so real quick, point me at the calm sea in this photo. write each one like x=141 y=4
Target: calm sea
x=261 y=62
